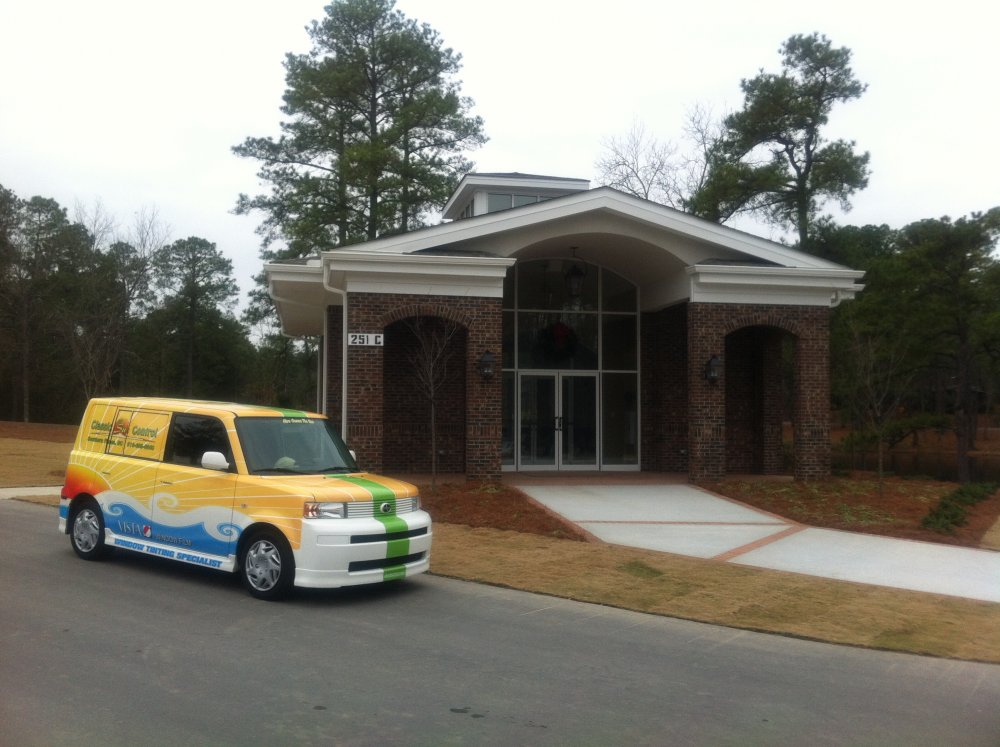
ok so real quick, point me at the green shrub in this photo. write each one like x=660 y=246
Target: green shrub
x=950 y=512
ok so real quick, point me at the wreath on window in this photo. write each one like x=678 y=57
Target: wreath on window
x=559 y=340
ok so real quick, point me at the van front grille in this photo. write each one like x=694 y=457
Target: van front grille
x=368 y=509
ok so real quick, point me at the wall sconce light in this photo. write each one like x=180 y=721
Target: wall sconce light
x=487 y=365
x=713 y=370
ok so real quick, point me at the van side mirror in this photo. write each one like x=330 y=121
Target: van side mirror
x=215 y=460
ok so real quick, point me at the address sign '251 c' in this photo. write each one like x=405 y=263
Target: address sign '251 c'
x=365 y=338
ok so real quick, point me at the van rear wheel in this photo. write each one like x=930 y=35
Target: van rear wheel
x=87 y=531
x=267 y=566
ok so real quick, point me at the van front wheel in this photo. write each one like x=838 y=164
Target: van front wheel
x=267 y=566
x=87 y=531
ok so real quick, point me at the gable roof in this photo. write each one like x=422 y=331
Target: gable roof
x=670 y=256
x=491 y=227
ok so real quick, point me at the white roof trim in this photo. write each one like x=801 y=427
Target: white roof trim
x=602 y=198
x=420 y=274
x=793 y=286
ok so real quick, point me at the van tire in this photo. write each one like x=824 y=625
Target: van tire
x=267 y=566
x=86 y=532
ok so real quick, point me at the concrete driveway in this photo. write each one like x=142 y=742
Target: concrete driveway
x=673 y=517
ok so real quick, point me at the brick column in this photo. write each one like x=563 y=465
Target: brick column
x=706 y=401
x=812 y=396
x=484 y=400
x=364 y=383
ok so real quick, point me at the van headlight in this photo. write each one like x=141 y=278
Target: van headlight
x=317 y=510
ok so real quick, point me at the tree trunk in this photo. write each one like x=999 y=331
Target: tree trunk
x=190 y=351
x=966 y=408
x=434 y=453
x=25 y=366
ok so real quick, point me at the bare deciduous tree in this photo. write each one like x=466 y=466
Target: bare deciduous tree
x=433 y=365
x=661 y=171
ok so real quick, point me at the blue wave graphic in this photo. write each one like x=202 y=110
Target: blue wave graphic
x=126 y=521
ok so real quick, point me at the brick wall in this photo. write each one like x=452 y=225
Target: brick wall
x=687 y=424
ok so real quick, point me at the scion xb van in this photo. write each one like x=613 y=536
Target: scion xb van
x=271 y=494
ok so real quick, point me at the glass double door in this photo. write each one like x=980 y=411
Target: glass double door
x=558 y=421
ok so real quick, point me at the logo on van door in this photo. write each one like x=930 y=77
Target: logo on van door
x=131 y=527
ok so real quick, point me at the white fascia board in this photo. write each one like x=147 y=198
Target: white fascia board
x=657 y=216
x=471 y=229
x=794 y=286
x=287 y=271
x=299 y=297
x=676 y=221
x=421 y=274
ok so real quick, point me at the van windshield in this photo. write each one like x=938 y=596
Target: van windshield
x=297 y=446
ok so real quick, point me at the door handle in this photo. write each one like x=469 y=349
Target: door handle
x=558 y=423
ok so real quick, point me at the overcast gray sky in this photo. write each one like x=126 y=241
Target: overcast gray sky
x=137 y=104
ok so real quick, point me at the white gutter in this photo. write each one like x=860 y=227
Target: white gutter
x=343 y=354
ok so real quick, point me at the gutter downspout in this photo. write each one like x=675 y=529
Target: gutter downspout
x=343 y=355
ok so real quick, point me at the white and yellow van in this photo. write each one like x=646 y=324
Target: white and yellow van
x=271 y=493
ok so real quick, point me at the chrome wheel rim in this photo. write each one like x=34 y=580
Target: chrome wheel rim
x=86 y=530
x=263 y=565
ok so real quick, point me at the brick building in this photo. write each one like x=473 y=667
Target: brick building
x=578 y=329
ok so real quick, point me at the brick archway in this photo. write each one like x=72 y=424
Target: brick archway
x=364 y=399
x=407 y=419
x=439 y=310
x=709 y=327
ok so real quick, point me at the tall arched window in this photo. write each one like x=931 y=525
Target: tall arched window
x=570 y=367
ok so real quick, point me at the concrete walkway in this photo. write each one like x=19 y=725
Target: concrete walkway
x=18 y=492
x=686 y=520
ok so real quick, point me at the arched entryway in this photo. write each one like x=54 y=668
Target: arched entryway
x=424 y=368
x=775 y=363
x=759 y=386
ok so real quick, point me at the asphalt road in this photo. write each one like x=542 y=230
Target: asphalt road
x=135 y=650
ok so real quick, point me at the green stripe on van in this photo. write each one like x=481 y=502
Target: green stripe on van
x=378 y=492
x=394 y=548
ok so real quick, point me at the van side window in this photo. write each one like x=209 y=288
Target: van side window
x=192 y=435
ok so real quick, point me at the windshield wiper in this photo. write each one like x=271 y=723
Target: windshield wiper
x=338 y=470
x=279 y=470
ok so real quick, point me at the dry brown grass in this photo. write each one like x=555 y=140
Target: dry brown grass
x=31 y=462
x=722 y=594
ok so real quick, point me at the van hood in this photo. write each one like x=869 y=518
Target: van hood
x=357 y=486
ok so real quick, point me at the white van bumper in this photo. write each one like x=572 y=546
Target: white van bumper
x=348 y=552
